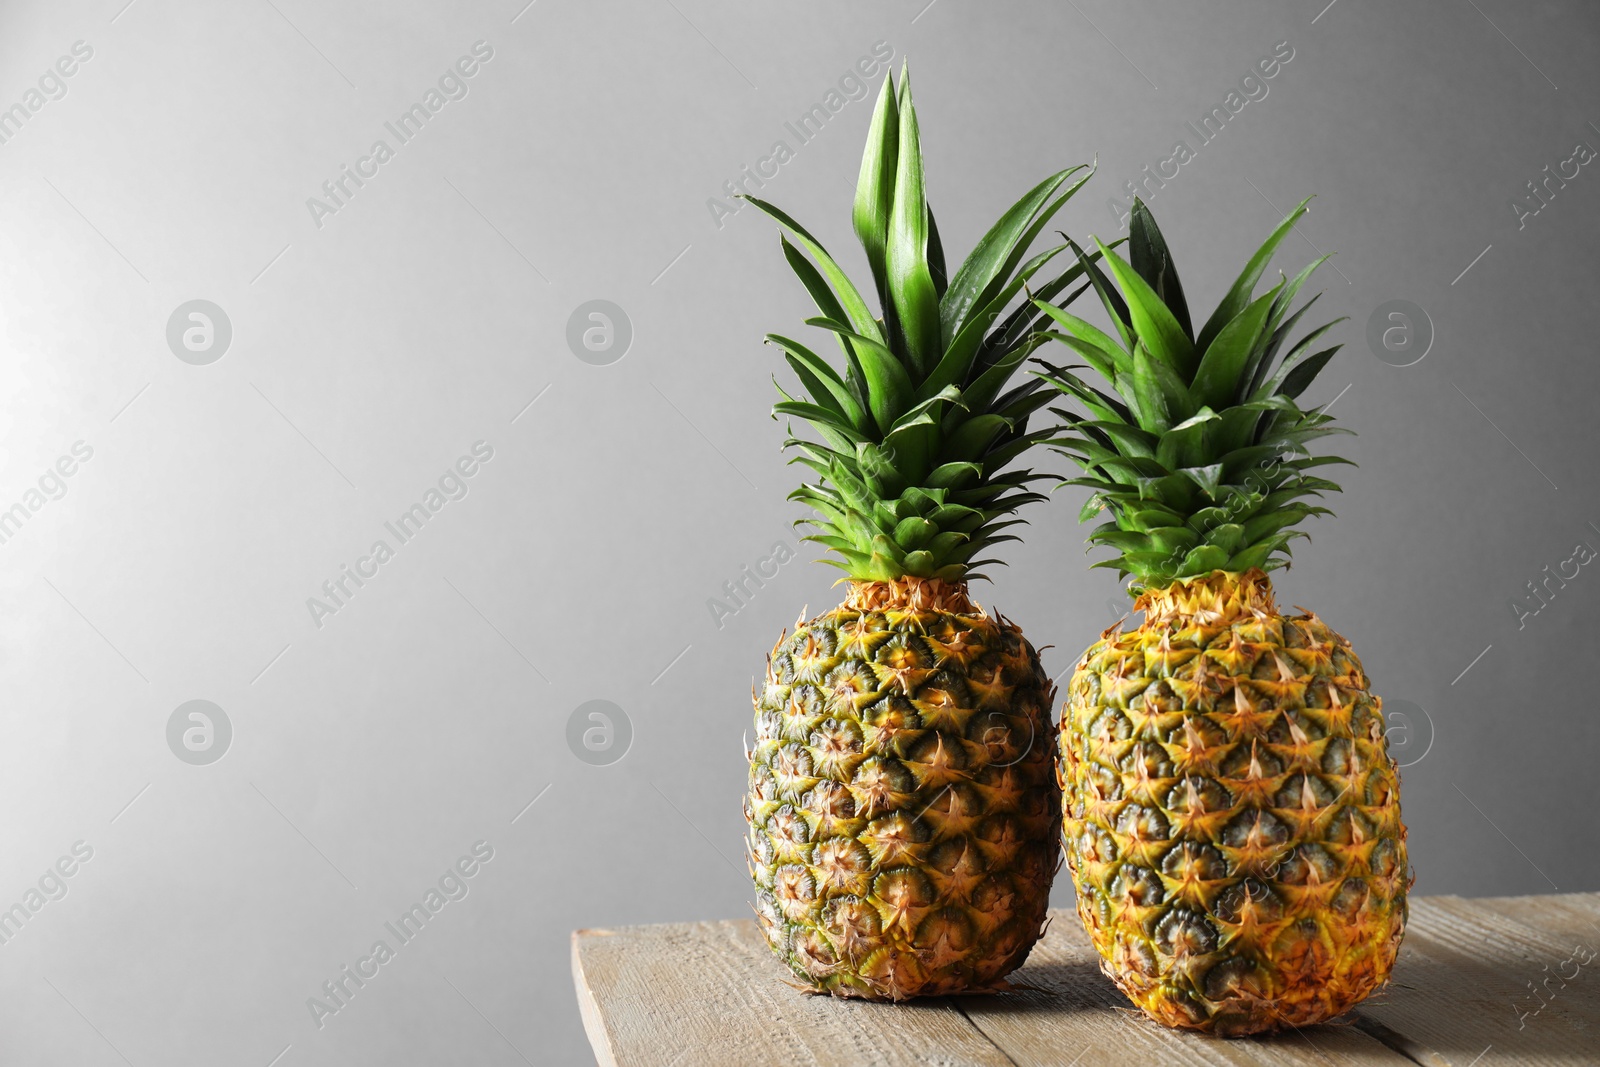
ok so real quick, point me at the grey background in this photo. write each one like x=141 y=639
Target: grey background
x=368 y=354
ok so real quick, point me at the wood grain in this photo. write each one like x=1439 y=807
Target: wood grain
x=712 y=995
x=1562 y=915
x=694 y=994
x=1463 y=981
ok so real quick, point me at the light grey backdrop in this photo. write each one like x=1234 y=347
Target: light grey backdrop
x=373 y=345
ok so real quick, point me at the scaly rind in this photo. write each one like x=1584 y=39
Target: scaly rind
x=902 y=811
x=1232 y=813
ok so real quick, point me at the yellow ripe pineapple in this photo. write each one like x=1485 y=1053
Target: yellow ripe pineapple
x=1231 y=810
x=902 y=804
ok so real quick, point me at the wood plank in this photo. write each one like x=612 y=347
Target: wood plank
x=1461 y=983
x=1074 y=1014
x=589 y=1001
x=713 y=995
x=1565 y=915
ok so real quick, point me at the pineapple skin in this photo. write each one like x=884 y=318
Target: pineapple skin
x=1232 y=813
x=902 y=807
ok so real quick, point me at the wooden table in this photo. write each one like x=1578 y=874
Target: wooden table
x=712 y=995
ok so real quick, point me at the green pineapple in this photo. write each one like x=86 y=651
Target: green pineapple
x=902 y=809
x=1231 y=810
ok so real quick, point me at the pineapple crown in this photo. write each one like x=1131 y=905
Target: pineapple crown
x=1198 y=452
x=917 y=427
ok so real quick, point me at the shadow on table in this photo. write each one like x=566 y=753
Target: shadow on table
x=1052 y=986
x=1434 y=1004
x=1400 y=1017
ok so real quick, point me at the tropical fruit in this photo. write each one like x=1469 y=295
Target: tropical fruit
x=902 y=805
x=903 y=809
x=1231 y=810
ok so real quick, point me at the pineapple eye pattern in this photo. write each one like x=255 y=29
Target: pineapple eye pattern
x=1006 y=740
x=888 y=834
x=1184 y=932
x=1276 y=809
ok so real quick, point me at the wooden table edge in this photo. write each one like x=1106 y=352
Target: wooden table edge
x=1391 y=1042
x=588 y=1005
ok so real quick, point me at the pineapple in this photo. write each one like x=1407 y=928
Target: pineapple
x=1231 y=810
x=902 y=807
